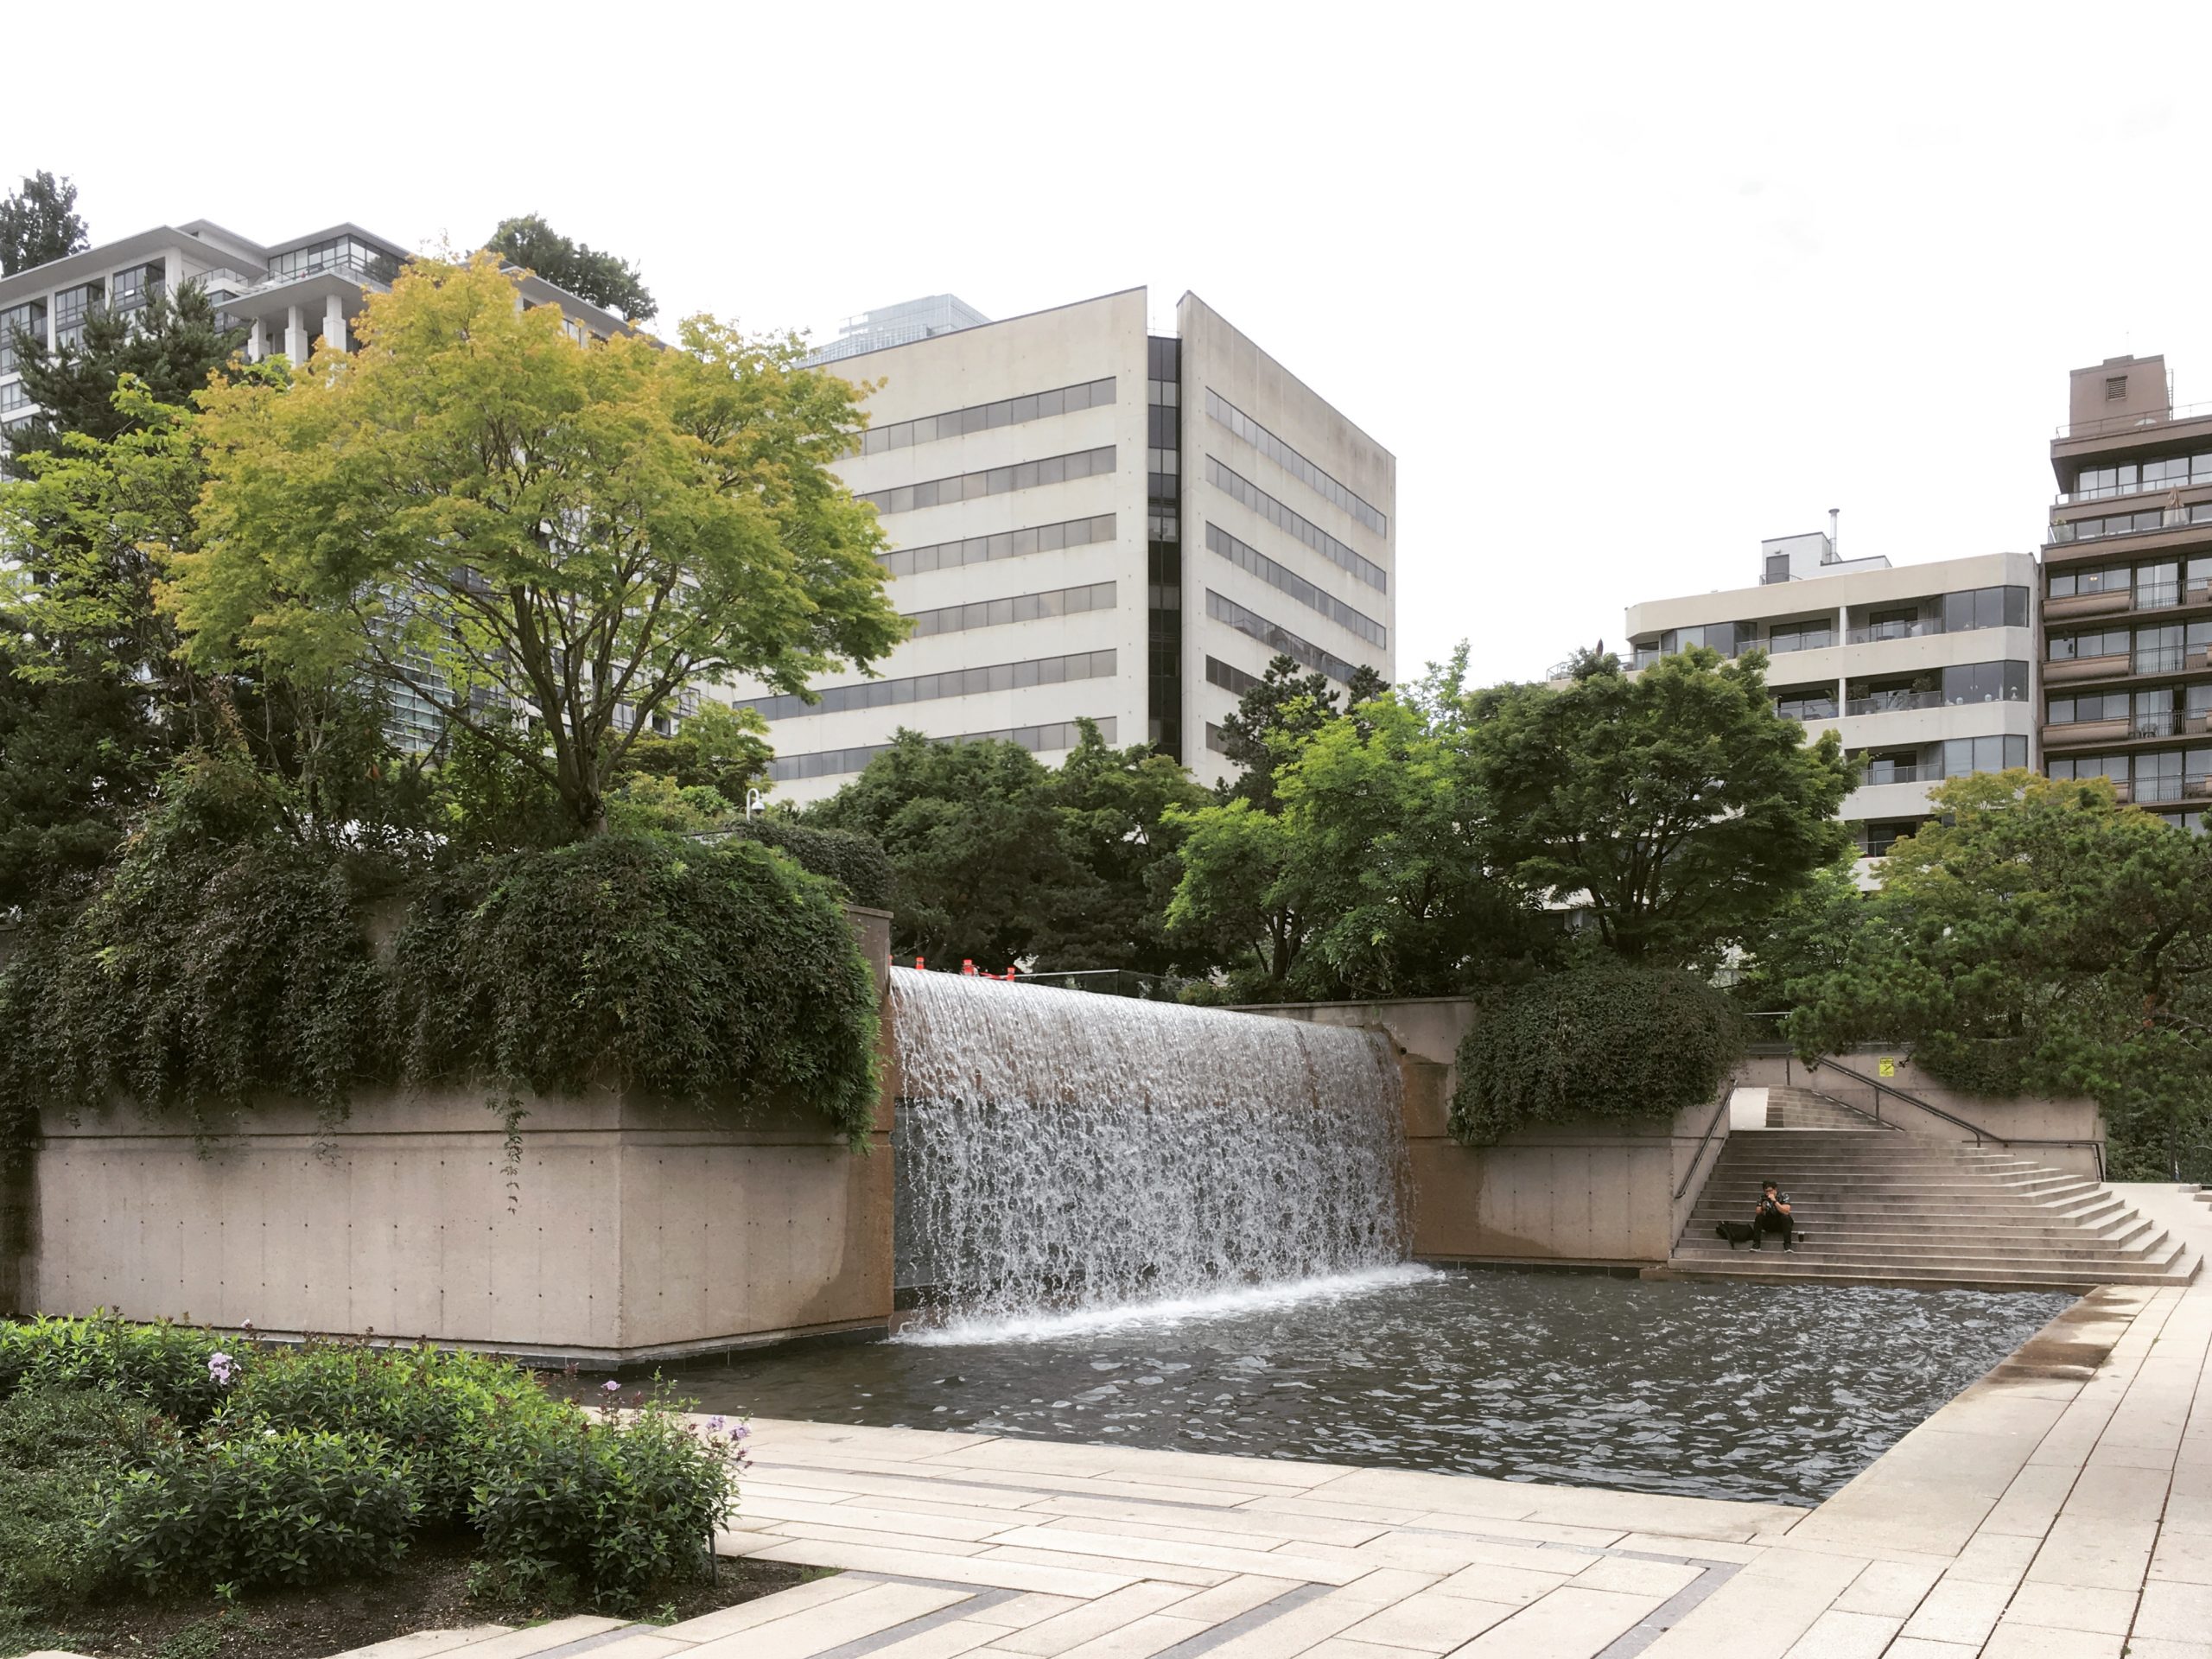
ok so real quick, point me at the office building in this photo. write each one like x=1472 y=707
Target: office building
x=1089 y=521
x=2127 y=591
x=1925 y=670
x=898 y=325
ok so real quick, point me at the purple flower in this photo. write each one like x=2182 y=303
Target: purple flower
x=610 y=1387
x=221 y=1368
x=717 y=1423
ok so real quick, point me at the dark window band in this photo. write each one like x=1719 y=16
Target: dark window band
x=1276 y=638
x=967 y=487
x=831 y=763
x=1000 y=544
x=1283 y=519
x=1228 y=677
x=1294 y=463
x=1282 y=576
x=953 y=683
x=1021 y=607
x=979 y=418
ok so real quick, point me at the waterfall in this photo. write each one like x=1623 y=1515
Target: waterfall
x=1060 y=1149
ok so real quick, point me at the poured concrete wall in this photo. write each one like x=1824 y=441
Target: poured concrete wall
x=1591 y=1193
x=631 y=1230
x=2064 y=1133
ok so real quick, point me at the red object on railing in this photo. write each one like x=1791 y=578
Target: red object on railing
x=966 y=964
x=918 y=964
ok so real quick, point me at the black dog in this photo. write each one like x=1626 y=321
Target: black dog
x=1739 y=1232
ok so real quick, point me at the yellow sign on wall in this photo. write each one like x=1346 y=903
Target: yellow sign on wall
x=1886 y=1067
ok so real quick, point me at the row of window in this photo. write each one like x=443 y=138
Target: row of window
x=1294 y=463
x=1000 y=544
x=1960 y=683
x=2171 y=775
x=980 y=417
x=1962 y=612
x=14 y=395
x=1283 y=519
x=339 y=253
x=928 y=688
x=1229 y=677
x=28 y=318
x=2132 y=523
x=131 y=289
x=967 y=487
x=1276 y=638
x=2163 y=648
x=1953 y=758
x=832 y=763
x=1021 y=607
x=1278 y=576
x=2172 y=472
x=1217 y=739
x=2158 y=713
x=2157 y=581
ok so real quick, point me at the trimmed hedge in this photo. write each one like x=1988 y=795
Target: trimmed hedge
x=181 y=1370
x=1600 y=1040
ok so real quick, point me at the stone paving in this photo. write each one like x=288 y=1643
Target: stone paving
x=2061 y=1506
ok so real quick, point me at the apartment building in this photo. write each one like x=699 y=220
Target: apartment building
x=1925 y=670
x=2127 y=591
x=1089 y=521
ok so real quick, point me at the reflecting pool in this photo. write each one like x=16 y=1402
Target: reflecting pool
x=1779 y=1393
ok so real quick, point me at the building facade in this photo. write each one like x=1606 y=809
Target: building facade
x=2127 y=591
x=1087 y=521
x=1925 y=670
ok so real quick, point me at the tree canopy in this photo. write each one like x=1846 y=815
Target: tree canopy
x=1674 y=803
x=582 y=531
x=606 y=279
x=39 y=222
x=1000 y=859
x=168 y=347
x=2038 y=936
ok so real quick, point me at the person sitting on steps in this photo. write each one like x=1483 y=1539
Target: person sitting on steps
x=1773 y=1216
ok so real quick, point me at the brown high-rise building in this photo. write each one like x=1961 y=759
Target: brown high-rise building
x=2127 y=591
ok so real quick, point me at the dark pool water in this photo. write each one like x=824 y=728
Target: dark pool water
x=1779 y=1393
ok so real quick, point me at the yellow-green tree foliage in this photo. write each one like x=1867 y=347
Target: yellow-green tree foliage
x=583 y=528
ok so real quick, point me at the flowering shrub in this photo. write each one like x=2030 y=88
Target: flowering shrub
x=609 y=1506
x=268 y=1506
x=181 y=1370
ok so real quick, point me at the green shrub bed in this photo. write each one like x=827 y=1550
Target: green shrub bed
x=218 y=964
x=1600 y=1040
x=162 y=1459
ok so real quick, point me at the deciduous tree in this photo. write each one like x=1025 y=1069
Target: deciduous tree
x=1673 y=803
x=582 y=531
x=605 y=279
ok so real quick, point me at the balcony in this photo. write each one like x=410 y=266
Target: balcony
x=1875 y=777
x=1886 y=702
x=2117 y=601
x=2164 y=792
x=1870 y=633
x=2080 y=733
x=2068 y=669
x=2111 y=602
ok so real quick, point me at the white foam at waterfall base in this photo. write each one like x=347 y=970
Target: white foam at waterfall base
x=1220 y=1304
x=1064 y=1152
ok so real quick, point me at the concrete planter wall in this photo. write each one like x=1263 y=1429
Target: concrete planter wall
x=633 y=1231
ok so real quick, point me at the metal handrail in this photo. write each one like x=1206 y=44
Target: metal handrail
x=1979 y=1133
x=2099 y=425
x=1720 y=1106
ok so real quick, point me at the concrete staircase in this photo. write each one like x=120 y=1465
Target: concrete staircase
x=1806 y=1108
x=1878 y=1206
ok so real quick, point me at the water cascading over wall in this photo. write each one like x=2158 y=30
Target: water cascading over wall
x=1063 y=1149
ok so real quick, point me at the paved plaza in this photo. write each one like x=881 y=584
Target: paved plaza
x=2061 y=1506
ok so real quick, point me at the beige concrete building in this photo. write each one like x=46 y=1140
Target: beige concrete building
x=1926 y=671
x=1088 y=521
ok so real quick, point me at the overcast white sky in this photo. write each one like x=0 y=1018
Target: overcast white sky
x=1626 y=287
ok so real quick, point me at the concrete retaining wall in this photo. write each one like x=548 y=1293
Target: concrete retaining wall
x=2021 y=1123
x=632 y=1230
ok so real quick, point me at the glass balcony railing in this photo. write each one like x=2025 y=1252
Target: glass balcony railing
x=1807 y=708
x=1899 y=774
x=1872 y=632
x=2158 y=659
x=1886 y=703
